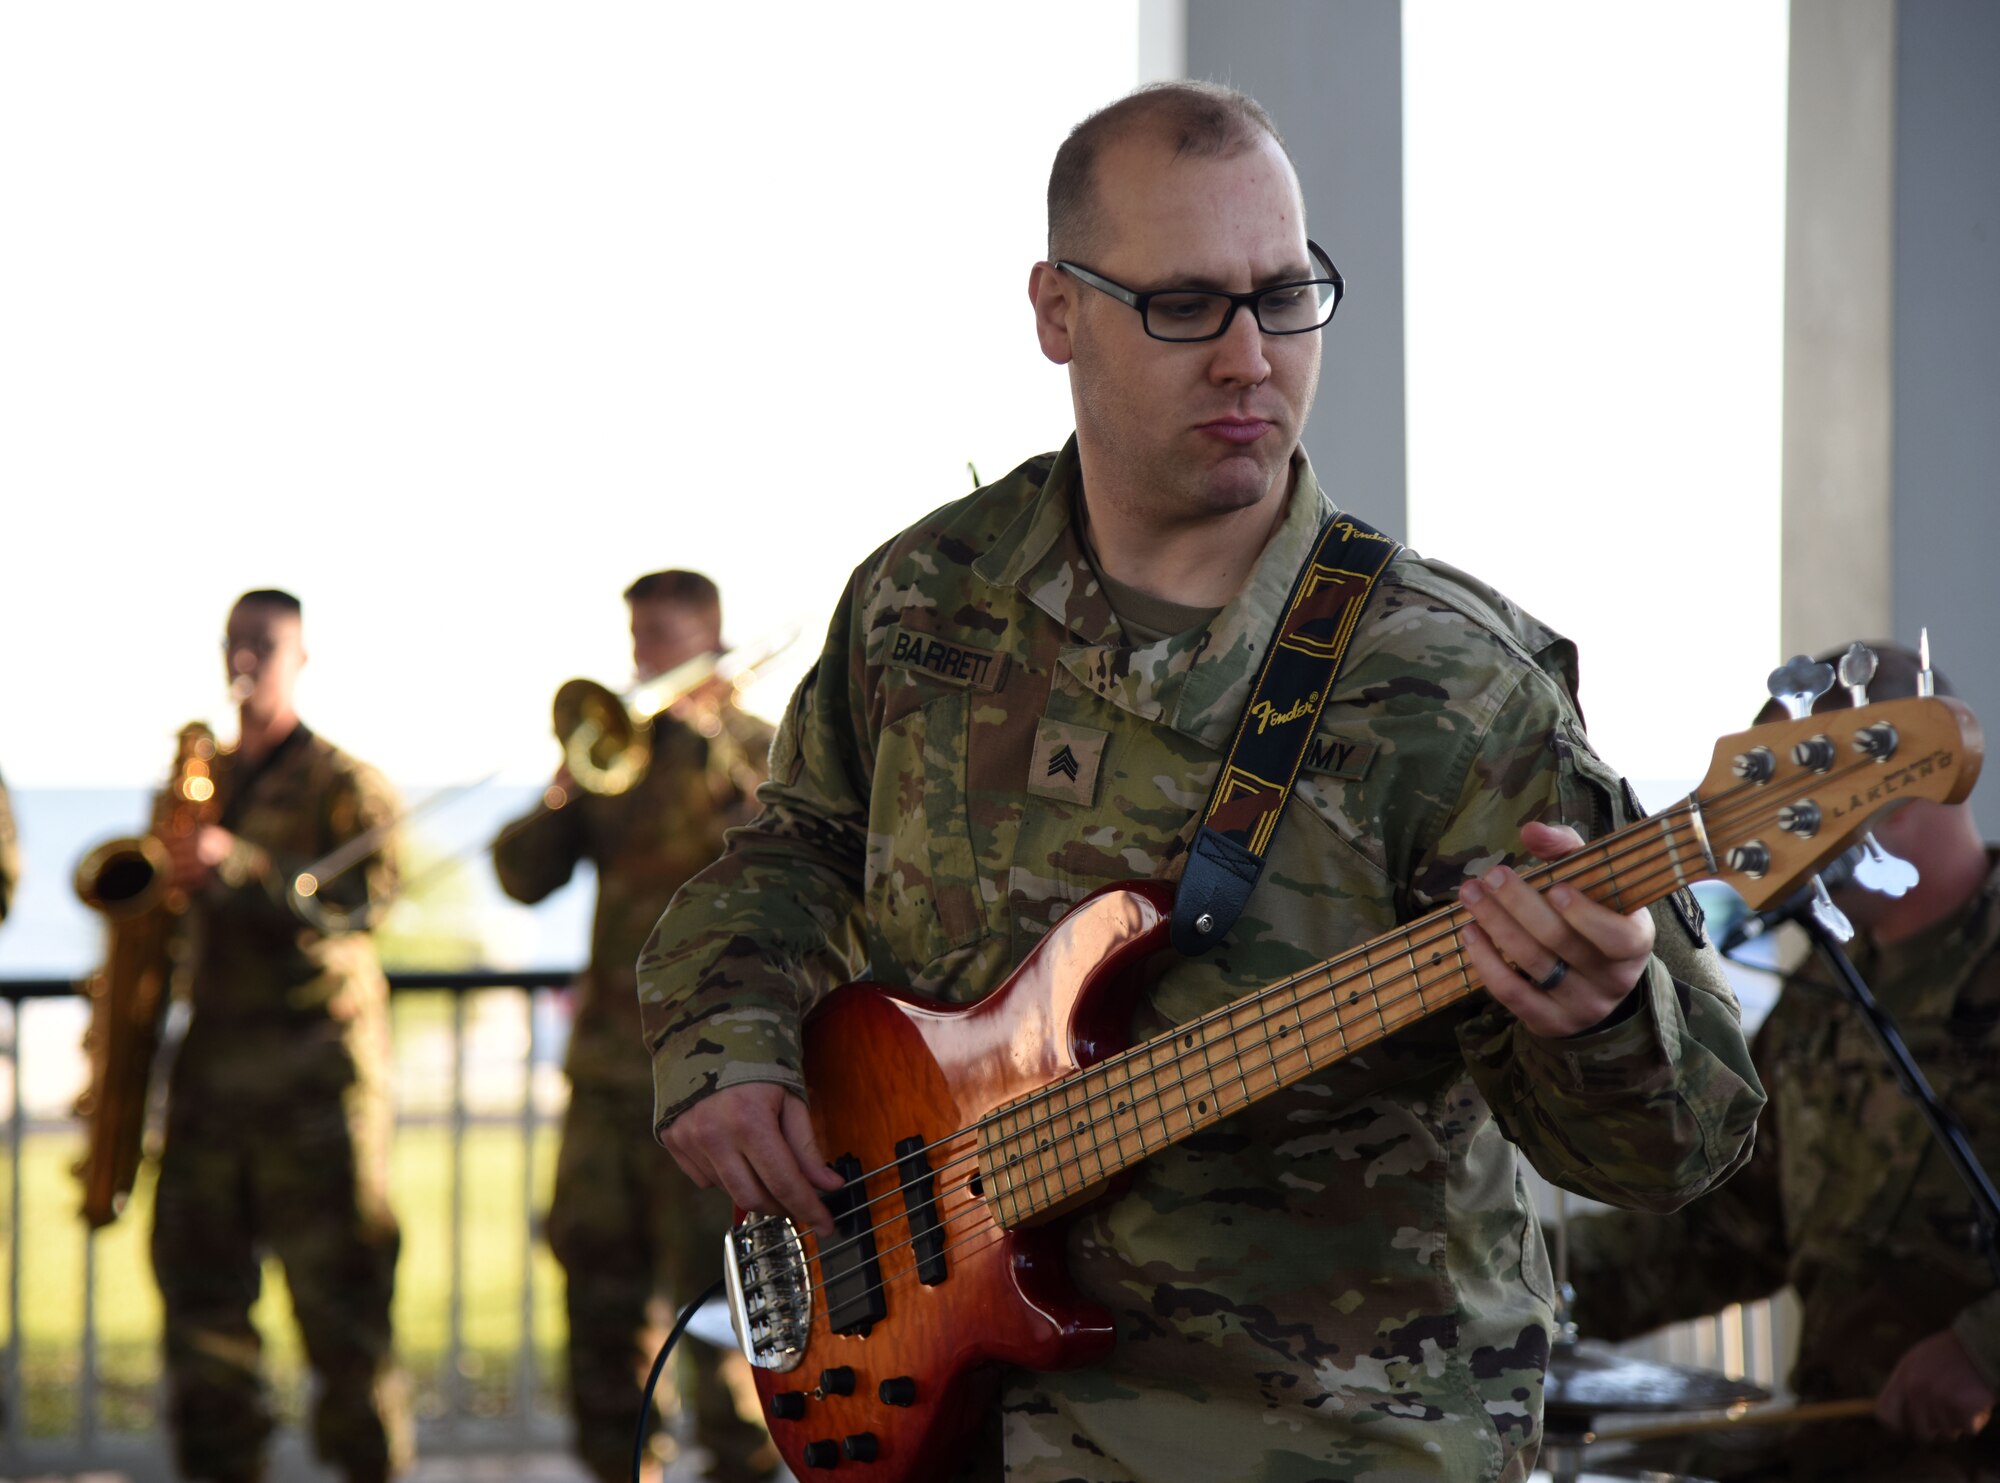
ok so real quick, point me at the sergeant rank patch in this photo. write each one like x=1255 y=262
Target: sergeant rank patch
x=1065 y=761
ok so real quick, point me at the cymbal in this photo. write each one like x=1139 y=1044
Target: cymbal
x=1587 y=1379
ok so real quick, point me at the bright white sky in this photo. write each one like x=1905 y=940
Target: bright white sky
x=454 y=317
x=1594 y=219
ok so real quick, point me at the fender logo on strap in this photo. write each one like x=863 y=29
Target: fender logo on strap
x=1268 y=715
x=1255 y=782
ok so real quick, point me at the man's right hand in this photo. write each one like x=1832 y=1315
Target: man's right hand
x=755 y=1140
x=1936 y=1393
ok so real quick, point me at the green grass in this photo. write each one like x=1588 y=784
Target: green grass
x=496 y=1257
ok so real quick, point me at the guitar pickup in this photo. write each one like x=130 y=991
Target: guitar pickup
x=852 y=1276
x=913 y=1166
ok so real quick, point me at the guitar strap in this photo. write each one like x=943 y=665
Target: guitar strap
x=1301 y=663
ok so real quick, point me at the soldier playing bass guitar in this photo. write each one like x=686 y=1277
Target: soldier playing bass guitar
x=1027 y=696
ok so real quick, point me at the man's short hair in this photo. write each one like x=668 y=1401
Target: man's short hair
x=274 y=597
x=1201 y=120
x=1896 y=671
x=682 y=588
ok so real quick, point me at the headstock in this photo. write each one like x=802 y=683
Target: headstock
x=1782 y=799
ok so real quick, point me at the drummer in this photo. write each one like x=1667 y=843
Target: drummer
x=1847 y=1198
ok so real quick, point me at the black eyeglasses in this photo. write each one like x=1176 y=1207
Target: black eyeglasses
x=1182 y=315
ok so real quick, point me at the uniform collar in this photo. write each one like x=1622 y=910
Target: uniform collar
x=1041 y=554
x=1196 y=682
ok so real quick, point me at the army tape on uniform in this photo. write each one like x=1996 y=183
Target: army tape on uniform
x=1255 y=783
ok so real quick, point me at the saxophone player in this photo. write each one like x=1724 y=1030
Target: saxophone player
x=278 y=1112
x=625 y=1224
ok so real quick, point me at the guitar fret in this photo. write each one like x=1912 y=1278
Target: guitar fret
x=1024 y=1152
x=1005 y=1193
x=1049 y=1141
x=1099 y=1091
x=1010 y=1148
x=1207 y=1071
x=1674 y=854
x=1611 y=879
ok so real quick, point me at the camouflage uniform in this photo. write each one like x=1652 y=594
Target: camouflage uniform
x=1847 y=1198
x=10 y=854
x=1345 y=1277
x=625 y=1223
x=278 y=1125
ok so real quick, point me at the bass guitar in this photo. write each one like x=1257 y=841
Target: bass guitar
x=965 y=1133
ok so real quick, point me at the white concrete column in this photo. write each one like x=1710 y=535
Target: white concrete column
x=1839 y=201
x=1892 y=337
x=1946 y=538
x=1331 y=74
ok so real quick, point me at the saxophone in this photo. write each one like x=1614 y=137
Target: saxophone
x=127 y=880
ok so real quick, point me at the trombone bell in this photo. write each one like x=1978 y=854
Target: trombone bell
x=606 y=744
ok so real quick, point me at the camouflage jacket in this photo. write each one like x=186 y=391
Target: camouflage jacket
x=255 y=959
x=10 y=854
x=1848 y=1198
x=1345 y=1275
x=644 y=843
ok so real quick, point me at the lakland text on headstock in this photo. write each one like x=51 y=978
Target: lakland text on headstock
x=1783 y=797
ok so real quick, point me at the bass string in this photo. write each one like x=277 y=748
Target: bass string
x=1272 y=1009
x=1274 y=1006
x=1172 y=1076
x=1128 y=1058
x=1162 y=1117
x=1651 y=845
x=1576 y=868
x=1722 y=821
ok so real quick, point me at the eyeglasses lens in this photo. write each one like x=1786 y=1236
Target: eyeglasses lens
x=1288 y=309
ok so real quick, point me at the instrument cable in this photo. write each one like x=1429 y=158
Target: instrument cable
x=659 y=1365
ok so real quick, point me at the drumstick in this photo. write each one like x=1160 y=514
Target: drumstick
x=1768 y=1416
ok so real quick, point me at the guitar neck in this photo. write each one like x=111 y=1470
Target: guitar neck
x=1058 y=1145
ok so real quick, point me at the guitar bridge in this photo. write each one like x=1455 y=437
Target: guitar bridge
x=770 y=1291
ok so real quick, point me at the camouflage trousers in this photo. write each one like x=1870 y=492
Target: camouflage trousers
x=628 y=1228
x=277 y=1142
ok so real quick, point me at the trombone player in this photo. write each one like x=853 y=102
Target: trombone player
x=278 y=1113
x=627 y=1225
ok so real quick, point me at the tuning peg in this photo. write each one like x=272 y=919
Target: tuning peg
x=1857 y=668
x=1829 y=916
x=1757 y=765
x=1882 y=872
x=1878 y=741
x=1798 y=683
x=1926 y=679
x=1753 y=859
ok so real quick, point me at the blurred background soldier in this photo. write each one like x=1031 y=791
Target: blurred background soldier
x=1847 y=1198
x=278 y=1115
x=10 y=853
x=626 y=1224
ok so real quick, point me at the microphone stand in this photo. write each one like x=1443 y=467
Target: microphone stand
x=1943 y=1125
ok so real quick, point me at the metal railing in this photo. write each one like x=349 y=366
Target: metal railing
x=469 y=1397
x=459 y=1414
